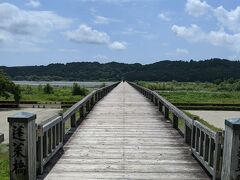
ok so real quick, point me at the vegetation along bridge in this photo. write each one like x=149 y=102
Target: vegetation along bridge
x=117 y=133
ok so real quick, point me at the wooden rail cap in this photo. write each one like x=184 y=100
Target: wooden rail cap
x=233 y=123
x=22 y=146
x=231 y=153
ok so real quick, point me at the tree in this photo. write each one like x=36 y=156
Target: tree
x=17 y=94
x=78 y=90
x=48 y=89
x=7 y=88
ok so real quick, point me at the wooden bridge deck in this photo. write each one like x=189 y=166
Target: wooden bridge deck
x=125 y=137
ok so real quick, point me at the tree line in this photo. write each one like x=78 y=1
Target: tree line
x=183 y=71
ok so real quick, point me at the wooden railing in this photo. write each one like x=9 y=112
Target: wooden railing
x=52 y=132
x=206 y=145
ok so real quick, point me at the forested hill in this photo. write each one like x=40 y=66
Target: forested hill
x=207 y=70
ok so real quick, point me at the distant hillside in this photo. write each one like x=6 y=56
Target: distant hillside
x=207 y=70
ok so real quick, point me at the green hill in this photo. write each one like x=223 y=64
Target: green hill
x=206 y=70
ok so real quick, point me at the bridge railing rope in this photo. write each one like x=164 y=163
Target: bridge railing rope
x=206 y=145
x=39 y=143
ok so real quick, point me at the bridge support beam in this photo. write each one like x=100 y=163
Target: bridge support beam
x=231 y=153
x=22 y=146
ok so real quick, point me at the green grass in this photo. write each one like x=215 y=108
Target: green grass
x=33 y=93
x=202 y=97
x=4 y=162
x=210 y=126
x=192 y=86
x=181 y=122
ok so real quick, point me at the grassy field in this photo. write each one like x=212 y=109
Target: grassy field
x=4 y=162
x=196 y=92
x=209 y=94
x=193 y=86
x=202 y=97
x=35 y=93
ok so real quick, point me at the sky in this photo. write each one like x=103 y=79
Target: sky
x=40 y=32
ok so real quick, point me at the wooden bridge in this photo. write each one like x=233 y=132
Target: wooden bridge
x=120 y=135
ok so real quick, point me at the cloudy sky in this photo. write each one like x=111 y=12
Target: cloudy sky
x=35 y=32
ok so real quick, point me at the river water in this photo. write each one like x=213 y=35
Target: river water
x=63 y=83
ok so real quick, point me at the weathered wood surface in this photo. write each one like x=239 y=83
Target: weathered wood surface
x=125 y=137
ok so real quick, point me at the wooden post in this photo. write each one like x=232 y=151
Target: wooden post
x=175 y=121
x=160 y=106
x=1 y=138
x=231 y=153
x=166 y=112
x=82 y=114
x=188 y=135
x=73 y=121
x=22 y=146
x=88 y=106
x=40 y=150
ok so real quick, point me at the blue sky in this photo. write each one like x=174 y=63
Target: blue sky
x=39 y=32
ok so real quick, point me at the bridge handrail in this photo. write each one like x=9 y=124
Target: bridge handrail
x=206 y=145
x=51 y=133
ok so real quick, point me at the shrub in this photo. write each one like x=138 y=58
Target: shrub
x=78 y=90
x=48 y=89
x=7 y=87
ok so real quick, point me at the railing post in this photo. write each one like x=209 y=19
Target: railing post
x=217 y=157
x=155 y=101
x=92 y=102
x=231 y=153
x=40 y=151
x=166 y=112
x=160 y=106
x=1 y=138
x=82 y=114
x=22 y=146
x=87 y=106
x=188 y=134
x=175 y=121
x=73 y=121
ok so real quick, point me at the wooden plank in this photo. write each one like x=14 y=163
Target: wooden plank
x=125 y=137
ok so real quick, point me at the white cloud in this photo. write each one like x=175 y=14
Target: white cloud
x=131 y=31
x=228 y=19
x=216 y=38
x=197 y=7
x=86 y=34
x=34 y=3
x=101 y=20
x=192 y=33
x=20 y=22
x=116 y=45
x=27 y=28
x=104 y=20
x=164 y=17
x=182 y=51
